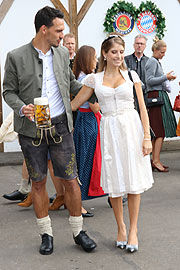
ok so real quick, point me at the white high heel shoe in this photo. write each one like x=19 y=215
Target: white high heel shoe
x=121 y=244
x=131 y=248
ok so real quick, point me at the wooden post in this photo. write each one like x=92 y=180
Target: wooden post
x=73 y=19
x=4 y=8
x=84 y=9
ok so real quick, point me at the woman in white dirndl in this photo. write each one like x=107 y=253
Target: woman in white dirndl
x=125 y=138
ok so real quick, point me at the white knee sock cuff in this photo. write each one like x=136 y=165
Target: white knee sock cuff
x=44 y=225
x=76 y=224
x=25 y=186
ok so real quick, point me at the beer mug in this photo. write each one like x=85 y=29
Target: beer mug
x=42 y=112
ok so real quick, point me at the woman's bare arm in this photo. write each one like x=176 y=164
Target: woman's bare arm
x=147 y=145
x=84 y=94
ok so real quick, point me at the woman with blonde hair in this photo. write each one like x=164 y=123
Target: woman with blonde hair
x=162 y=119
x=125 y=140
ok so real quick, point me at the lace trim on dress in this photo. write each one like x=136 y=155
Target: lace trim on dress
x=89 y=81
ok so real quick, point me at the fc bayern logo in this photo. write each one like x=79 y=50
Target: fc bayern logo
x=124 y=23
x=146 y=22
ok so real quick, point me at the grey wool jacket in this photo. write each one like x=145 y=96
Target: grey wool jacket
x=139 y=66
x=154 y=75
x=23 y=82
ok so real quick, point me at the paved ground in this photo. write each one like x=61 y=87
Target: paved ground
x=11 y=158
x=159 y=229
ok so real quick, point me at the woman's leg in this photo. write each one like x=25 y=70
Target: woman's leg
x=133 y=206
x=118 y=213
x=153 y=143
x=83 y=210
x=157 y=145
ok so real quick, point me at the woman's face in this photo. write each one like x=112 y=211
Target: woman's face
x=94 y=62
x=115 y=55
x=159 y=54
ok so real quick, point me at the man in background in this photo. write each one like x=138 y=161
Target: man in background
x=70 y=43
x=138 y=59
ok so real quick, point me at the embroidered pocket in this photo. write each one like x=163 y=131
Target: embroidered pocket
x=57 y=138
x=38 y=139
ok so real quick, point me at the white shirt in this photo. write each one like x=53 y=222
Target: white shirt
x=50 y=88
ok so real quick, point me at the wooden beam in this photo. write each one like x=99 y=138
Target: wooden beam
x=60 y=6
x=84 y=9
x=4 y=8
x=73 y=27
x=73 y=14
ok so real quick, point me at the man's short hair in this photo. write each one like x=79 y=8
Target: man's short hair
x=140 y=36
x=69 y=35
x=45 y=16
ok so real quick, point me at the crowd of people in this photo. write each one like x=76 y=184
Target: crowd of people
x=104 y=147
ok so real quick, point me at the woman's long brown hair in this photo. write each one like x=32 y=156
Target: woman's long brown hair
x=84 y=60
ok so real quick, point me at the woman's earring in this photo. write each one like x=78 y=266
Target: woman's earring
x=104 y=58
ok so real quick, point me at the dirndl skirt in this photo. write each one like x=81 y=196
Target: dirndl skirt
x=169 y=120
x=162 y=118
x=155 y=117
x=85 y=139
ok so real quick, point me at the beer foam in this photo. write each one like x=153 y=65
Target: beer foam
x=41 y=101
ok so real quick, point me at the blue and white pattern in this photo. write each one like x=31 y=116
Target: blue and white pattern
x=146 y=22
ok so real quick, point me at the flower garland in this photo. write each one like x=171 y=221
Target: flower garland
x=160 y=23
x=122 y=6
x=119 y=6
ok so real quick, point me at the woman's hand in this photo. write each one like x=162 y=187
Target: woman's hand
x=170 y=76
x=94 y=107
x=147 y=147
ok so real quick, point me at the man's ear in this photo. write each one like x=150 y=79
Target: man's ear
x=43 y=29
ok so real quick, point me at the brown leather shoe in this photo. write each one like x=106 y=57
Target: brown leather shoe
x=57 y=203
x=27 y=202
x=155 y=168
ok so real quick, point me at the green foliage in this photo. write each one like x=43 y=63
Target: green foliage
x=119 y=6
x=122 y=6
x=161 y=24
